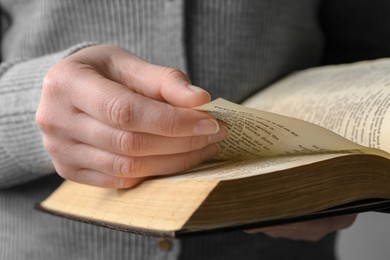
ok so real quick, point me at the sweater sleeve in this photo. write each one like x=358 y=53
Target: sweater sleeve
x=22 y=155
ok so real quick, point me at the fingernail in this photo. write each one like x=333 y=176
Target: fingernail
x=221 y=135
x=206 y=127
x=198 y=89
x=210 y=151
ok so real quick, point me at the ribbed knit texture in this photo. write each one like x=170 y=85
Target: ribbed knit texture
x=233 y=49
x=22 y=156
x=239 y=245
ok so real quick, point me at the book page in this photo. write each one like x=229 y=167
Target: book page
x=232 y=169
x=256 y=134
x=352 y=100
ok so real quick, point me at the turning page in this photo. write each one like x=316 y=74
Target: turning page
x=352 y=100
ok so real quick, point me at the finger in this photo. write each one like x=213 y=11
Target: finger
x=121 y=108
x=290 y=232
x=96 y=178
x=322 y=225
x=342 y=222
x=313 y=230
x=157 y=82
x=168 y=84
x=90 y=131
x=87 y=157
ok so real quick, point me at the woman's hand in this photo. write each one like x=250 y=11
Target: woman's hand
x=312 y=230
x=111 y=119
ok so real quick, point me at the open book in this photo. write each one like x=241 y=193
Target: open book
x=321 y=149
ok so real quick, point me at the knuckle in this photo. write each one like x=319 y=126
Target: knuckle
x=51 y=147
x=190 y=143
x=44 y=121
x=54 y=81
x=51 y=78
x=169 y=73
x=170 y=124
x=118 y=112
x=134 y=144
x=120 y=166
x=52 y=90
x=170 y=76
x=128 y=143
x=135 y=166
x=119 y=183
x=126 y=167
x=65 y=173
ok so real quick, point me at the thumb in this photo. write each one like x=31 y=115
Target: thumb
x=153 y=81
x=172 y=86
x=176 y=89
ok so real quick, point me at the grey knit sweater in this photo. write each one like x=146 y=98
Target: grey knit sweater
x=232 y=48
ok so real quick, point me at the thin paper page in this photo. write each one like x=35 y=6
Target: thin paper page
x=352 y=100
x=254 y=133
x=229 y=170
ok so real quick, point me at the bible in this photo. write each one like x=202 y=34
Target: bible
x=312 y=145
